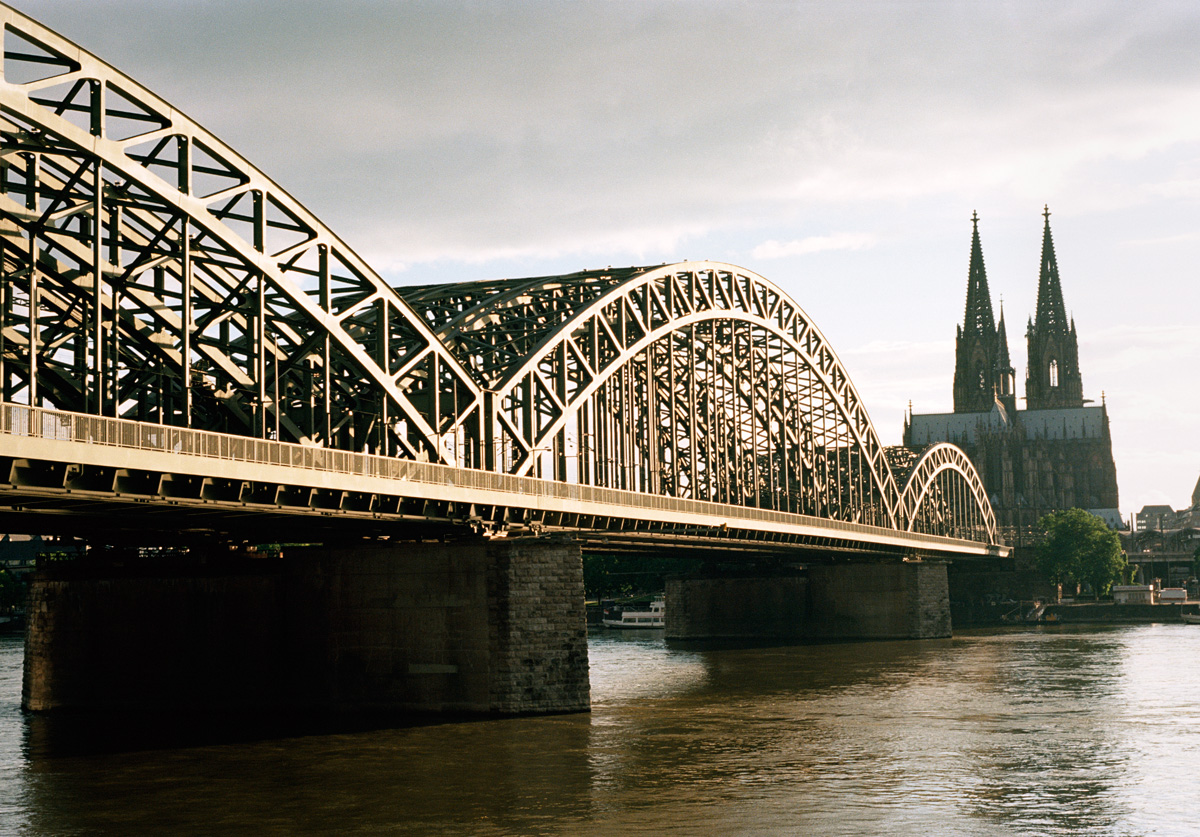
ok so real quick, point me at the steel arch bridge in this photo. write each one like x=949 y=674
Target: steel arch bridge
x=150 y=273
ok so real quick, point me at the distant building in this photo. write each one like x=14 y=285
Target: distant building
x=1163 y=518
x=1133 y=593
x=1154 y=517
x=1057 y=452
x=1189 y=518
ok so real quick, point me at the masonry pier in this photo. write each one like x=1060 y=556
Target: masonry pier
x=843 y=601
x=488 y=627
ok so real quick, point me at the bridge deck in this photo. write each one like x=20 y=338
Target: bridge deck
x=169 y=478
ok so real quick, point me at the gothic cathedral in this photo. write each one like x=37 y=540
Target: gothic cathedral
x=1054 y=454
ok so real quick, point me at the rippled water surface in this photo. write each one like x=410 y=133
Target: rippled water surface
x=1039 y=732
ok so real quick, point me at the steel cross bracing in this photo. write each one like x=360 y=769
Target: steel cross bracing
x=148 y=272
x=943 y=493
x=173 y=282
x=699 y=380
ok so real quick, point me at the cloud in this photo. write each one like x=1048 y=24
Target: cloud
x=813 y=244
x=451 y=138
x=454 y=130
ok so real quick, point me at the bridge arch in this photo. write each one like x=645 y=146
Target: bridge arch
x=149 y=272
x=700 y=380
x=944 y=495
x=174 y=282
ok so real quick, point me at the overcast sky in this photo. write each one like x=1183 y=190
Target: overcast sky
x=837 y=148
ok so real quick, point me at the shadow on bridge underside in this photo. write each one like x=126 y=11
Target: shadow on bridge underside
x=150 y=273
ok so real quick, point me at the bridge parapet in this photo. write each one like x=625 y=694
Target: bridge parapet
x=67 y=458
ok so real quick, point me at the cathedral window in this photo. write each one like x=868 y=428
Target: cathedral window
x=1053 y=373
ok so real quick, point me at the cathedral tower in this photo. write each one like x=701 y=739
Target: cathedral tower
x=1053 y=380
x=1006 y=376
x=976 y=348
x=1057 y=454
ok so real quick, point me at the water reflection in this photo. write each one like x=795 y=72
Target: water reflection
x=1007 y=732
x=1049 y=756
x=501 y=777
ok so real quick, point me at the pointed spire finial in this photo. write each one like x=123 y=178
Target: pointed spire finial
x=1052 y=339
x=975 y=343
x=977 y=318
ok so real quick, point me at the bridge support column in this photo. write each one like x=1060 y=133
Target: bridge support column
x=908 y=600
x=477 y=627
x=740 y=607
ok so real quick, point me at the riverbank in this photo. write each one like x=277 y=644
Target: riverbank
x=1074 y=613
x=1125 y=614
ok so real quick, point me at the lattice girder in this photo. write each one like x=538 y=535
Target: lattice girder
x=944 y=495
x=739 y=397
x=148 y=271
x=175 y=282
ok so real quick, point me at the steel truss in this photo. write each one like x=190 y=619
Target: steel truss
x=943 y=494
x=148 y=272
x=697 y=380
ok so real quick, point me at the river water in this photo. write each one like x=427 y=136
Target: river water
x=1024 y=732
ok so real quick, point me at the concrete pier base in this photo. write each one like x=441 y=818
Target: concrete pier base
x=908 y=600
x=477 y=627
x=744 y=608
x=863 y=601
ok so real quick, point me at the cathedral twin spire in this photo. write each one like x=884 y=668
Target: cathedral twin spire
x=1053 y=379
x=983 y=373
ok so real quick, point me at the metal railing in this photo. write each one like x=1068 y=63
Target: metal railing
x=79 y=428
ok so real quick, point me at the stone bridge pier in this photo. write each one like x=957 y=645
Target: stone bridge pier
x=864 y=600
x=480 y=627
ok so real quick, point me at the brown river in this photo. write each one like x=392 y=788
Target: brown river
x=1092 y=731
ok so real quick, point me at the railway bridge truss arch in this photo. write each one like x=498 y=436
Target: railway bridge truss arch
x=149 y=272
x=174 y=282
x=700 y=380
x=942 y=493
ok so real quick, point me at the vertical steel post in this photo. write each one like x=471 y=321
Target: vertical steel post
x=111 y=364
x=33 y=318
x=31 y=203
x=186 y=314
x=259 y=334
x=94 y=394
x=326 y=349
x=382 y=351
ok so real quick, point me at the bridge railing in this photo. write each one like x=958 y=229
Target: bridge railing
x=37 y=422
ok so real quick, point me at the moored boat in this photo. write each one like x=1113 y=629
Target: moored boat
x=619 y=617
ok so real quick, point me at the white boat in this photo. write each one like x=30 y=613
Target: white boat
x=618 y=617
x=1191 y=618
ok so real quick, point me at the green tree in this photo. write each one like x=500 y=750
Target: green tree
x=1080 y=546
x=625 y=575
